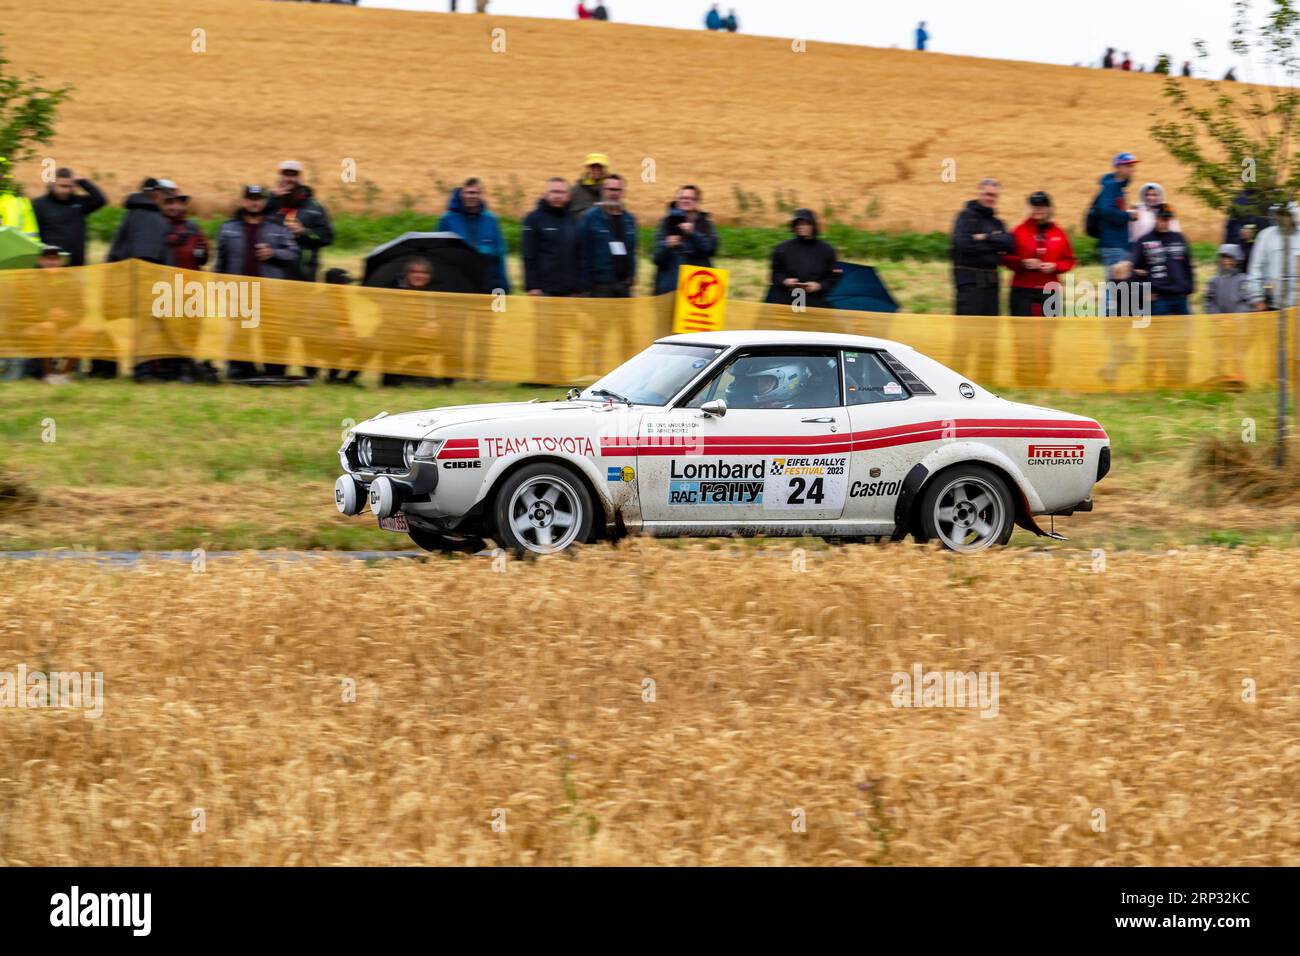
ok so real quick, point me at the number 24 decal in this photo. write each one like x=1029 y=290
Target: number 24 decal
x=801 y=492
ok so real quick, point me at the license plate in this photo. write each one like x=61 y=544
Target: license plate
x=395 y=522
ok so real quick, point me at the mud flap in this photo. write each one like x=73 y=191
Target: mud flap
x=912 y=483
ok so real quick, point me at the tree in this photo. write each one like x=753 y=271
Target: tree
x=27 y=114
x=1240 y=147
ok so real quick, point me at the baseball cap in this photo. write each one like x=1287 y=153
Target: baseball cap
x=596 y=159
x=164 y=184
x=1231 y=249
x=291 y=166
x=254 y=191
x=1123 y=159
x=1164 y=211
x=1040 y=198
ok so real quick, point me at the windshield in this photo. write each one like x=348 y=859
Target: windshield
x=654 y=376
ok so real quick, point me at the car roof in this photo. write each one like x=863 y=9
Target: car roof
x=777 y=337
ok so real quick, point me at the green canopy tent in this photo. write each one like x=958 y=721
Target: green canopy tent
x=17 y=250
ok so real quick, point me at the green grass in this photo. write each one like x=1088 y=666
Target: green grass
x=174 y=467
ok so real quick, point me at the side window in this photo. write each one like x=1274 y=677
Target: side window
x=868 y=380
x=775 y=380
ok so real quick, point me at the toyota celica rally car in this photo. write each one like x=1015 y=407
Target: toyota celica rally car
x=730 y=433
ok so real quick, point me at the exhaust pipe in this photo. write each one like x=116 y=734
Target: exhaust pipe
x=349 y=496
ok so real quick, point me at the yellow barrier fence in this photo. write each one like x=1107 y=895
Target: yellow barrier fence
x=133 y=311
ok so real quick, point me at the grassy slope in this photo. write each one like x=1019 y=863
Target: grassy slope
x=417 y=101
x=181 y=467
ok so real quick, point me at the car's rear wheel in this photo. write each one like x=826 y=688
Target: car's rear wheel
x=967 y=508
x=542 y=509
x=445 y=543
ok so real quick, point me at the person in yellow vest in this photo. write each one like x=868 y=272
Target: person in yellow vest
x=15 y=210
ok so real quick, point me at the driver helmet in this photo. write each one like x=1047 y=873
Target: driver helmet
x=773 y=386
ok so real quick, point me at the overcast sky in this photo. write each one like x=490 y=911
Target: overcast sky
x=1040 y=30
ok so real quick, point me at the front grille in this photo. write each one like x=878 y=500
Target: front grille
x=385 y=452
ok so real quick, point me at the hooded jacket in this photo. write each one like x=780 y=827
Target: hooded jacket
x=141 y=232
x=1146 y=215
x=550 y=250
x=317 y=233
x=230 y=248
x=1228 y=293
x=1266 y=266
x=1167 y=262
x=63 y=221
x=810 y=259
x=969 y=253
x=596 y=230
x=1112 y=211
x=697 y=248
x=481 y=230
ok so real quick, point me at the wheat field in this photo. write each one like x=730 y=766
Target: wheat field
x=1125 y=731
x=411 y=102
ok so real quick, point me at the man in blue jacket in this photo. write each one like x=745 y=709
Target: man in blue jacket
x=469 y=217
x=1113 y=216
x=607 y=245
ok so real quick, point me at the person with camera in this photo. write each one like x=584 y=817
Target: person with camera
x=685 y=237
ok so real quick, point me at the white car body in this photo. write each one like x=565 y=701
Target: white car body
x=849 y=468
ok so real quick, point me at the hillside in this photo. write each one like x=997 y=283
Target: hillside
x=419 y=100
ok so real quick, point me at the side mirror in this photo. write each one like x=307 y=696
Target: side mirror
x=572 y=394
x=716 y=407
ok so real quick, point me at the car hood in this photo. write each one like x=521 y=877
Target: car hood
x=430 y=422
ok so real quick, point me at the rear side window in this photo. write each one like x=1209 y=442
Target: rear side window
x=867 y=380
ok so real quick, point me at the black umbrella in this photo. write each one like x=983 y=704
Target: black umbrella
x=457 y=266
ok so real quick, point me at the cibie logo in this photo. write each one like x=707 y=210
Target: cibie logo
x=1056 y=454
x=455 y=463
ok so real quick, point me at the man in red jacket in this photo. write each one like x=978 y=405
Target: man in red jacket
x=1042 y=253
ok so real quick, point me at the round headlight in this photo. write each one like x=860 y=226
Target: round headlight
x=408 y=453
x=365 y=451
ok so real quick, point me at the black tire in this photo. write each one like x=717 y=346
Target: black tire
x=444 y=543
x=529 y=518
x=966 y=508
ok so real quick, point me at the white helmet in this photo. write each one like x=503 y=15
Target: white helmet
x=773 y=386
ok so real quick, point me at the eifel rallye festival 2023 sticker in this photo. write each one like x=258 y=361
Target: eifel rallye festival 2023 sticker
x=816 y=482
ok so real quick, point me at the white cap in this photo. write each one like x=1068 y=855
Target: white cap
x=292 y=165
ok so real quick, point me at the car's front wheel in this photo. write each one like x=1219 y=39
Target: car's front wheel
x=967 y=508
x=541 y=509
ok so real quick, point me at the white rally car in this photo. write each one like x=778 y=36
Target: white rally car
x=730 y=433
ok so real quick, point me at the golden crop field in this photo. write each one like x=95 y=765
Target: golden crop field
x=414 y=100
x=1123 y=729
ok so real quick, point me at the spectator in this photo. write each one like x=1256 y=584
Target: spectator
x=600 y=13
x=252 y=244
x=185 y=246
x=1108 y=61
x=1268 y=270
x=1041 y=252
x=57 y=316
x=713 y=19
x=1245 y=222
x=1231 y=75
x=61 y=213
x=731 y=24
x=685 y=237
x=804 y=262
x=1112 y=216
x=294 y=206
x=550 y=244
x=1127 y=64
x=140 y=233
x=15 y=209
x=978 y=241
x=586 y=191
x=583 y=12
x=1187 y=67
x=468 y=216
x=1150 y=198
x=922 y=37
x=606 y=237
x=1162 y=258
x=1228 y=293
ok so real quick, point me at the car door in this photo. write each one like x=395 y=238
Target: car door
x=777 y=455
x=879 y=396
